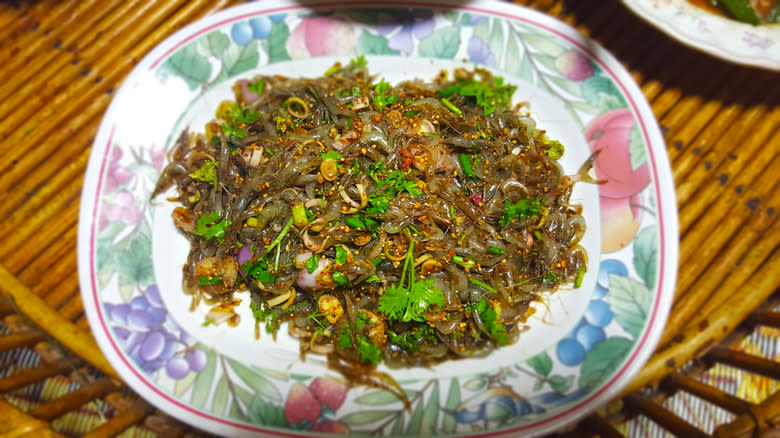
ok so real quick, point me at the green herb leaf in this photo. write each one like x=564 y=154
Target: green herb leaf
x=382 y=97
x=257 y=270
x=341 y=255
x=555 y=150
x=410 y=300
x=524 y=208
x=340 y=279
x=489 y=319
x=312 y=263
x=207 y=172
x=208 y=281
x=210 y=227
x=257 y=87
x=465 y=163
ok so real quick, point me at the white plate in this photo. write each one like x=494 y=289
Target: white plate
x=719 y=36
x=580 y=350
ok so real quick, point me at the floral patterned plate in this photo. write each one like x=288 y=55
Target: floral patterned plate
x=583 y=346
x=719 y=36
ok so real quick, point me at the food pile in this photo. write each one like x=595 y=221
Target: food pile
x=406 y=224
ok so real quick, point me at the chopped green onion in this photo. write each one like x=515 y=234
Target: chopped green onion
x=538 y=235
x=463 y=261
x=451 y=107
x=580 y=276
x=299 y=215
x=483 y=285
x=465 y=162
x=496 y=250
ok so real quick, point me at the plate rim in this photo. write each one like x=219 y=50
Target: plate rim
x=640 y=109
x=646 y=12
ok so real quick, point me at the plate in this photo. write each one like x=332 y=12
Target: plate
x=719 y=36
x=581 y=347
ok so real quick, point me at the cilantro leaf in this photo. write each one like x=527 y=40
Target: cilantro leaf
x=207 y=172
x=409 y=300
x=489 y=319
x=257 y=270
x=257 y=86
x=489 y=95
x=210 y=227
x=312 y=263
x=522 y=209
x=341 y=255
x=382 y=97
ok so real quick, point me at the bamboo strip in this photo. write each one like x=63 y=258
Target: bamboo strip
x=36 y=72
x=64 y=15
x=720 y=279
x=31 y=375
x=28 y=164
x=707 y=182
x=750 y=137
x=595 y=424
x=83 y=323
x=767 y=414
x=768 y=318
x=72 y=308
x=50 y=234
x=42 y=227
x=36 y=112
x=25 y=162
x=693 y=340
x=58 y=327
x=718 y=397
x=6 y=307
x=739 y=263
x=58 y=295
x=19 y=340
x=662 y=416
x=108 y=68
x=135 y=413
x=744 y=361
x=22 y=21
x=70 y=149
x=17 y=424
x=57 y=261
x=692 y=114
x=74 y=399
x=706 y=139
x=728 y=214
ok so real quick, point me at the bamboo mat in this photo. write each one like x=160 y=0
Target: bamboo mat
x=60 y=62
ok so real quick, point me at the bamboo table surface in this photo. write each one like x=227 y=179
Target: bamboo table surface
x=61 y=60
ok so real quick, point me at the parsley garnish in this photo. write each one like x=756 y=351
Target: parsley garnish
x=210 y=227
x=207 y=172
x=488 y=316
x=340 y=279
x=524 y=208
x=381 y=96
x=410 y=300
x=410 y=341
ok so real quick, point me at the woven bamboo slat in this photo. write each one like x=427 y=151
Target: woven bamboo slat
x=62 y=60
